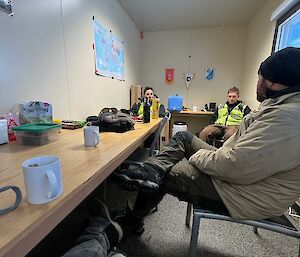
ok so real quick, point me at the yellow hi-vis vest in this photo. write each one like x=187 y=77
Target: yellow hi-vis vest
x=141 y=109
x=232 y=118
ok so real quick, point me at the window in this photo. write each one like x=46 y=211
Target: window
x=287 y=31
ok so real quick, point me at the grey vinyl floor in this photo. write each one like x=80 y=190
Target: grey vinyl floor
x=167 y=236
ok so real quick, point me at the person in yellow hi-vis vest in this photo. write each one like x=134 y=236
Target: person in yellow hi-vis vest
x=226 y=118
x=138 y=108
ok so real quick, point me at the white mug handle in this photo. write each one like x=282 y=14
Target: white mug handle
x=53 y=184
x=96 y=134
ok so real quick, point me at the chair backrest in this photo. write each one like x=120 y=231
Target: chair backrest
x=166 y=118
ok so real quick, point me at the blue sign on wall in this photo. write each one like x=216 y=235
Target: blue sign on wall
x=209 y=73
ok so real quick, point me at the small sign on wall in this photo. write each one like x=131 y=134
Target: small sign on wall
x=188 y=78
x=169 y=76
x=209 y=73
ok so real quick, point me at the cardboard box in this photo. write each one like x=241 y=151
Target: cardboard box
x=135 y=94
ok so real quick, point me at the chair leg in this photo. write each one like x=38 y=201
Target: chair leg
x=194 y=236
x=188 y=214
x=255 y=230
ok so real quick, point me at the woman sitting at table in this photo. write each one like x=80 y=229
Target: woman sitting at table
x=138 y=108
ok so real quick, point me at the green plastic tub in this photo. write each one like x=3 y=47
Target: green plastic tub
x=37 y=134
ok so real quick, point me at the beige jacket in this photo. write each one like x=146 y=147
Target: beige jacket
x=257 y=171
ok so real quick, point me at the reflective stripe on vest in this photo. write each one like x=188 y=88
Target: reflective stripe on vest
x=232 y=118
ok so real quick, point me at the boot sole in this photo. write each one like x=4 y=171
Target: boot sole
x=136 y=184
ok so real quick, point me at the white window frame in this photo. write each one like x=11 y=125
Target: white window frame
x=283 y=28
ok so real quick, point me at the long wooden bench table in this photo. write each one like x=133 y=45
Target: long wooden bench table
x=83 y=169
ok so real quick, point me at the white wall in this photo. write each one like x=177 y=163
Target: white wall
x=258 y=48
x=220 y=47
x=46 y=54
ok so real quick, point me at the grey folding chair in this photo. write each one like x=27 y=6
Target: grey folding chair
x=280 y=224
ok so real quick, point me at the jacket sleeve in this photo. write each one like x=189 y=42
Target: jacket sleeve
x=135 y=108
x=261 y=151
x=247 y=110
x=214 y=117
x=162 y=111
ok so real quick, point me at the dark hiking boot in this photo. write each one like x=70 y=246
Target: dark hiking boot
x=96 y=230
x=97 y=208
x=144 y=178
x=129 y=222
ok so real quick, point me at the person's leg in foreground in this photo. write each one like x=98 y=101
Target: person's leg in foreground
x=149 y=176
x=166 y=173
x=100 y=238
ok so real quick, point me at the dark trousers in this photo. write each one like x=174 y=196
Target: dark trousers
x=181 y=179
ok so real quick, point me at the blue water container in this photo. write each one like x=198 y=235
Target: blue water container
x=175 y=103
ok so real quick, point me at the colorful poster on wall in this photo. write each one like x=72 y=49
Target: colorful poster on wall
x=109 y=53
x=169 y=76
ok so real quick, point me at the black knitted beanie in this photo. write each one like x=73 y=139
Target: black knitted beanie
x=282 y=67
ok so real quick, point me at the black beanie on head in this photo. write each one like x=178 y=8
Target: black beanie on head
x=282 y=67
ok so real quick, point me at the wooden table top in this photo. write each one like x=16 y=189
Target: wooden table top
x=83 y=169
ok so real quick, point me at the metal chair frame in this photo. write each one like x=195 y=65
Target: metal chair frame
x=271 y=225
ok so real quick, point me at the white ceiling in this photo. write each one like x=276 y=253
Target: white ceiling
x=153 y=15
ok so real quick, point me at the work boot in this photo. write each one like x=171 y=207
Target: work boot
x=101 y=230
x=97 y=208
x=129 y=221
x=145 y=178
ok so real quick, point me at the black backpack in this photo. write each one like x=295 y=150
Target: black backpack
x=112 y=122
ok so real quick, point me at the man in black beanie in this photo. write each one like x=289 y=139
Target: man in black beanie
x=283 y=67
x=254 y=175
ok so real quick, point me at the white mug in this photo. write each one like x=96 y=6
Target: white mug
x=43 y=181
x=91 y=135
x=196 y=108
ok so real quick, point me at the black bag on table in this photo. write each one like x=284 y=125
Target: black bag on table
x=115 y=121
